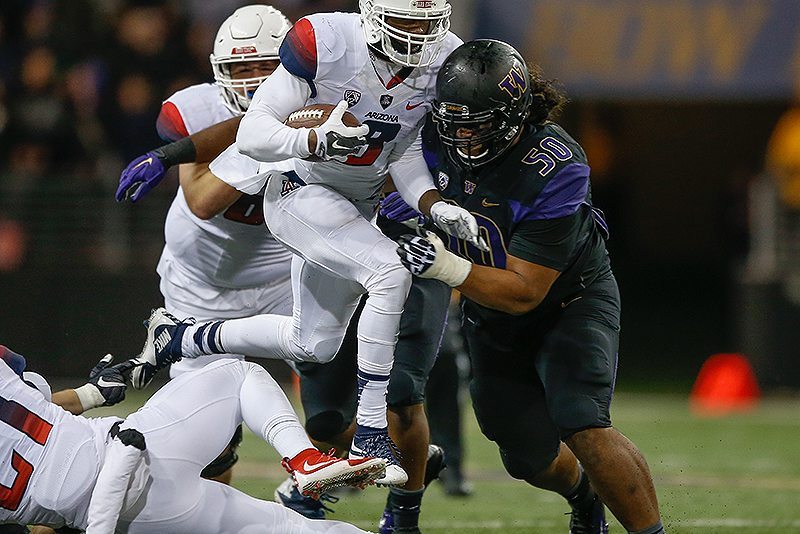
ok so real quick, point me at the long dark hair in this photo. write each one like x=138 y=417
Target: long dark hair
x=548 y=97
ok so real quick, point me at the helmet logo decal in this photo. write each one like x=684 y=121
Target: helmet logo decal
x=515 y=83
x=244 y=50
x=352 y=97
x=422 y=4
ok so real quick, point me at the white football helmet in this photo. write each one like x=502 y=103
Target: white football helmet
x=252 y=33
x=402 y=47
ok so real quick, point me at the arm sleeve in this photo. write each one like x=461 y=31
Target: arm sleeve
x=262 y=134
x=109 y=493
x=410 y=173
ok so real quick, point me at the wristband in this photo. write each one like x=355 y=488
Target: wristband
x=89 y=396
x=448 y=267
x=181 y=151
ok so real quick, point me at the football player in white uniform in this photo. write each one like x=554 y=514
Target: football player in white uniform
x=383 y=63
x=218 y=262
x=141 y=475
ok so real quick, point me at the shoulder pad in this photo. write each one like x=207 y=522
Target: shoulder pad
x=313 y=43
x=556 y=175
x=170 y=124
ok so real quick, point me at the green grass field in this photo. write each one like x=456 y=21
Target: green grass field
x=737 y=474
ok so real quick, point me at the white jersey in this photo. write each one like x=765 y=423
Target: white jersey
x=325 y=59
x=233 y=249
x=49 y=459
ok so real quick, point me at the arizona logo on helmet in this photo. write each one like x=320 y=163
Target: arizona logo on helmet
x=515 y=82
x=422 y=4
x=240 y=50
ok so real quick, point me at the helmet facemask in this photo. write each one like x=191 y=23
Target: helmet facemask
x=403 y=47
x=237 y=92
x=474 y=139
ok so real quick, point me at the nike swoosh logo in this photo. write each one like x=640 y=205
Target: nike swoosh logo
x=349 y=149
x=105 y=384
x=410 y=106
x=486 y=204
x=313 y=467
x=147 y=161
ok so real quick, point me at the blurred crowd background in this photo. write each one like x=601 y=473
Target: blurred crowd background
x=684 y=108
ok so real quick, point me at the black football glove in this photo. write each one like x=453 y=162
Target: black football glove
x=417 y=254
x=106 y=385
x=427 y=257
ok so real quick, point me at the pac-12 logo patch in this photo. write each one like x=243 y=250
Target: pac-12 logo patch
x=386 y=101
x=443 y=180
x=352 y=97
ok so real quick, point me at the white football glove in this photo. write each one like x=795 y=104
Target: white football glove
x=337 y=141
x=457 y=222
x=427 y=257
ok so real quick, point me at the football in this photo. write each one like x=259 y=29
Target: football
x=316 y=114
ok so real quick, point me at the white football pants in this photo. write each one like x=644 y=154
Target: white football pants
x=186 y=425
x=185 y=296
x=339 y=256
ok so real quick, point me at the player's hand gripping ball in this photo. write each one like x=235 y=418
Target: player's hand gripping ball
x=339 y=133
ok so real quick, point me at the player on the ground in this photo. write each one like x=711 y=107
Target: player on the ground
x=142 y=474
x=541 y=306
x=218 y=262
x=384 y=64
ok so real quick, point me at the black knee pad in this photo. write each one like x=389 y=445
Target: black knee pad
x=227 y=459
x=326 y=425
x=522 y=467
x=573 y=413
x=405 y=389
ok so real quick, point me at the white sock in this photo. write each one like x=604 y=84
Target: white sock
x=267 y=412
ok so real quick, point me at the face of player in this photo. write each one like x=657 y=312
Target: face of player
x=252 y=69
x=473 y=151
x=413 y=26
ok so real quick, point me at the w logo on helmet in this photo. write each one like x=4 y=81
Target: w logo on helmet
x=515 y=83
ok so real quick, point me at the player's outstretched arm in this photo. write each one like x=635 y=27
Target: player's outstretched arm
x=145 y=172
x=205 y=194
x=414 y=183
x=517 y=289
x=106 y=387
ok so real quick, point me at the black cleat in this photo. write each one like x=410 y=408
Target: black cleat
x=591 y=520
x=436 y=463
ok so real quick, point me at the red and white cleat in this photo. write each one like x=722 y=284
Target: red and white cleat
x=316 y=473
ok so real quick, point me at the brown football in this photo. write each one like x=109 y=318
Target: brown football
x=316 y=114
